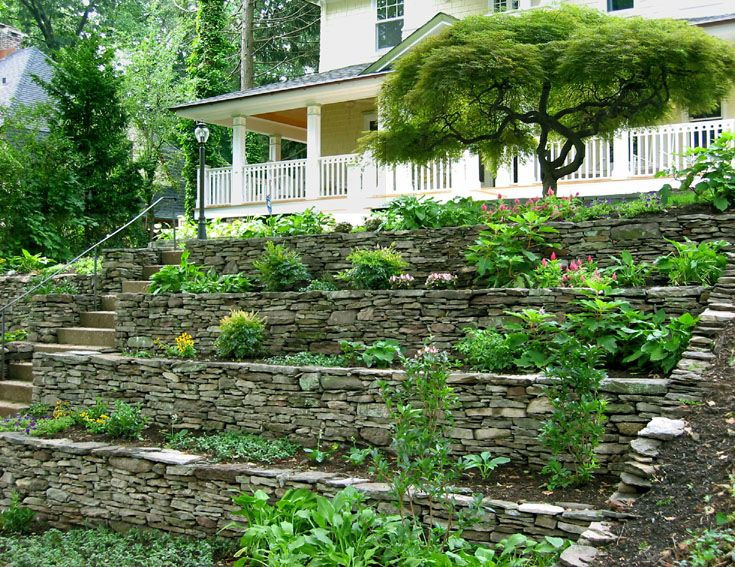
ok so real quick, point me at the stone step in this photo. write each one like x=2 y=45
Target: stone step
x=171 y=257
x=132 y=286
x=16 y=391
x=53 y=347
x=109 y=302
x=148 y=271
x=87 y=336
x=98 y=319
x=8 y=409
x=21 y=371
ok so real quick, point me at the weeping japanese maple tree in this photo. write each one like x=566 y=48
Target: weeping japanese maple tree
x=507 y=85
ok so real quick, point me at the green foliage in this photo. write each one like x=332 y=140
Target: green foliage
x=484 y=463
x=577 y=423
x=661 y=345
x=321 y=453
x=281 y=269
x=713 y=167
x=307 y=359
x=38 y=410
x=48 y=427
x=486 y=350
x=320 y=285
x=552 y=75
x=190 y=278
x=12 y=336
x=16 y=519
x=234 y=445
x=710 y=547
x=360 y=456
x=691 y=263
x=26 y=263
x=373 y=268
x=85 y=547
x=125 y=422
x=380 y=354
x=184 y=347
x=628 y=272
x=56 y=286
x=413 y=213
x=506 y=253
x=242 y=335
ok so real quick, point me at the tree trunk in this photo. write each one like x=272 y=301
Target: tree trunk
x=247 y=49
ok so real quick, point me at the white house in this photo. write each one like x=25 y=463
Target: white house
x=330 y=110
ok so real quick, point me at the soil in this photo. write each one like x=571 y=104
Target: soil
x=693 y=480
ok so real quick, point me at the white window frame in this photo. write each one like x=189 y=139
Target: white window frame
x=367 y=118
x=508 y=6
x=378 y=21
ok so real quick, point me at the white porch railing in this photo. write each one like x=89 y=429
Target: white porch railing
x=281 y=180
x=631 y=155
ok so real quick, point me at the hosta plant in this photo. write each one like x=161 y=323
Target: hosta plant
x=692 y=263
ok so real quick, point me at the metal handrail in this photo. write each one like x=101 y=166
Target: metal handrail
x=95 y=247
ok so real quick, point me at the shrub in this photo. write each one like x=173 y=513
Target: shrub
x=231 y=445
x=281 y=269
x=12 y=336
x=576 y=426
x=16 y=519
x=242 y=335
x=51 y=426
x=486 y=350
x=693 y=263
x=373 y=268
x=380 y=354
x=661 y=345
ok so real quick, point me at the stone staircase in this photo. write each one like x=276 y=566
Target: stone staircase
x=96 y=332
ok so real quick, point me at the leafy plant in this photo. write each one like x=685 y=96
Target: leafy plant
x=486 y=350
x=713 y=167
x=190 y=278
x=321 y=453
x=125 y=422
x=26 y=263
x=242 y=334
x=320 y=285
x=576 y=426
x=38 y=410
x=55 y=286
x=380 y=354
x=13 y=336
x=373 y=268
x=661 y=345
x=627 y=272
x=281 y=269
x=233 y=445
x=16 y=519
x=484 y=463
x=184 y=347
x=52 y=426
x=505 y=254
x=359 y=456
x=693 y=263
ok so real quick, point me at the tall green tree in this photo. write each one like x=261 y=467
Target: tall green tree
x=87 y=112
x=210 y=73
x=505 y=85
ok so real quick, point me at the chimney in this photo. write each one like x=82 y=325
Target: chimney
x=10 y=40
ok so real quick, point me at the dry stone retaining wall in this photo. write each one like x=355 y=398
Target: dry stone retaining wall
x=76 y=483
x=316 y=321
x=49 y=313
x=498 y=413
x=439 y=250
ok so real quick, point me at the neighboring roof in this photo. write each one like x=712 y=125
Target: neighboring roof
x=712 y=19
x=311 y=80
x=16 y=77
x=433 y=26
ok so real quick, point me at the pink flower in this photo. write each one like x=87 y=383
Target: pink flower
x=544 y=262
x=500 y=197
x=550 y=192
x=615 y=277
x=517 y=202
x=553 y=255
x=484 y=208
x=589 y=259
x=502 y=208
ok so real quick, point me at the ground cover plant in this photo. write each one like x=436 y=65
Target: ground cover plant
x=190 y=278
x=232 y=445
x=135 y=548
x=383 y=353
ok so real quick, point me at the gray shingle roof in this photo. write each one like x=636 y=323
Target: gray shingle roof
x=311 y=80
x=712 y=19
x=16 y=77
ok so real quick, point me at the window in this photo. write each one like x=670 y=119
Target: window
x=714 y=114
x=370 y=121
x=389 y=28
x=504 y=5
x=615 y=5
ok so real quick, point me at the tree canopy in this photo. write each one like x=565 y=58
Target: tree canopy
x=505 y=85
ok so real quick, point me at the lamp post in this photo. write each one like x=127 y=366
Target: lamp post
x=201 y=133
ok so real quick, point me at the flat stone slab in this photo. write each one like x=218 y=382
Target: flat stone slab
x=578 y=556
x=540 y=509
x=646 y=447
x=663 y=428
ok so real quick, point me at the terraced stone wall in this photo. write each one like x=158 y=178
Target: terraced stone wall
x=498 y=413
x=49 y=313
x=438 y=250
x=73 y=483
x=316 y=321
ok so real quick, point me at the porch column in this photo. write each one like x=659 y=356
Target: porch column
x=239 y=158
x=274 y=148
x=313 y=150
x=621 y=160
x=526 y=171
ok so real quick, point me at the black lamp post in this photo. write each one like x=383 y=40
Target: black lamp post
x=201 y=133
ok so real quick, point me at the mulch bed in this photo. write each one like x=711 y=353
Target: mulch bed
x=693 y=479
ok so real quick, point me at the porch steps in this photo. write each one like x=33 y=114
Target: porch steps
x=22 y=371
x=55 y=347
x=109 y=302
x=171 y=257
x=91 y=336
x=16 y=391
x=135 y=286
x=98 y=319
x=148 y=271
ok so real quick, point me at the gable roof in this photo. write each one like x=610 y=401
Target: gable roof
x=17 y=70
x=432 y=27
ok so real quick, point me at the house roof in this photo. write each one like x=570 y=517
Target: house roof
x=712 y=19
x=311 y=80
x=17 y=70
